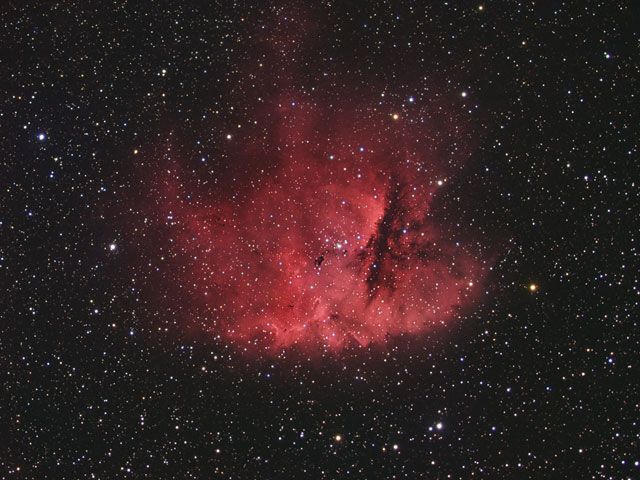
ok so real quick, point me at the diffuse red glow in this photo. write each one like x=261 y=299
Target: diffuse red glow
x=334 y=246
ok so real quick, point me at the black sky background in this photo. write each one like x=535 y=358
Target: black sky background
x=525 y=385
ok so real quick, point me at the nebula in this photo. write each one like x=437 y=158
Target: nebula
x=324 y=239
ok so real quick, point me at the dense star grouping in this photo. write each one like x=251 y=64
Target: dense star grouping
x=319 y=240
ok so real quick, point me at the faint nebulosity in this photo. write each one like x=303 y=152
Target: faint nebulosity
x=294 y=239
x=335 y=245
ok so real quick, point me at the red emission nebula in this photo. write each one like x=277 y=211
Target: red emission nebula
x=326 y=236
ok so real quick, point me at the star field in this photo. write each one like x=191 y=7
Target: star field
x=249 y=240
